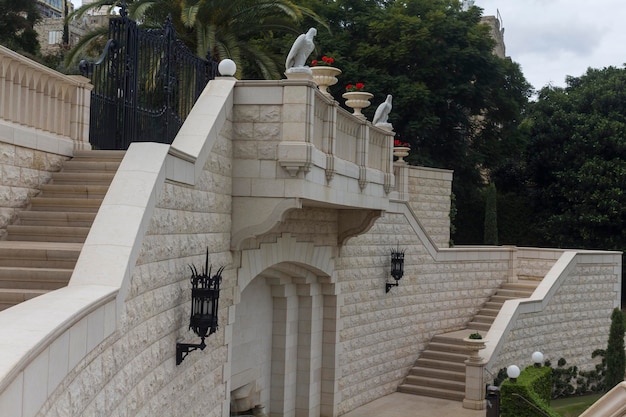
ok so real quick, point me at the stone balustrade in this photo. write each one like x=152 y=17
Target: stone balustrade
x=35 y=96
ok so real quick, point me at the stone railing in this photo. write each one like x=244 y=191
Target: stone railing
x=612 y=404
x=34 y=96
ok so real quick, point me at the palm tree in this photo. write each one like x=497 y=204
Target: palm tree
x=242 y=30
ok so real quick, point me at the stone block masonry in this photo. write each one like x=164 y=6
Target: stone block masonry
x=22 y=171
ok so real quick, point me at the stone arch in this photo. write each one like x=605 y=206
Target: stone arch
x=287 y=300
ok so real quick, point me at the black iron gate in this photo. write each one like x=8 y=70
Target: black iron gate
x=145 y=84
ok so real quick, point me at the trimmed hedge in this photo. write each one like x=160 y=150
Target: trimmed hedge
x=535 y=385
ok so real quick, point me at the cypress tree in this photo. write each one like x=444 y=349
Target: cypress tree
x=615 y=357
x=490 y=236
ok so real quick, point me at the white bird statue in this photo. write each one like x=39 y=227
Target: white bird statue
x=301 y=49
x=382 y=112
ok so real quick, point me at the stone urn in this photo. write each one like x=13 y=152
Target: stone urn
x=358 y=100
x=324 y=77
x=473 y=346
x=400 y=152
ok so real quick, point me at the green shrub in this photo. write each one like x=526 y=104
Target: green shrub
x=615 y=360
x=533 y=385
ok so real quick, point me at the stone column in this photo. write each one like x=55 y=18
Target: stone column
x=474 y=385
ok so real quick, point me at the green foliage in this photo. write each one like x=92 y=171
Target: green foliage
x=576 y=161
x=615 y=360
x=491 y=216
x=17 y=25
x=534 y=385
x=454 y=101
x=569 y=381
x=245 y=31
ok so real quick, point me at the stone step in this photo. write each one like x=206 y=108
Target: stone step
x=483 y=319
x=98 y=155
x=10 y=297
x=56 y=255
x=47 y=233
x=34 y=278
x=493 y=305
x=513 y=293
x=447 y=347
x=500 y=298
x=442 y=365
x=432 y=392
x=74 y=190
x=103 y=178
x=56 y=218
x=528 y=285
x=479 y=326
x=491 y=312
x=66 y=204
x=444 y=356
x=445 y=384
x=437 y=373
x=448 y=339
x=90 y=165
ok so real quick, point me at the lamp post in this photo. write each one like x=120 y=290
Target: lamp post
x=513 y=372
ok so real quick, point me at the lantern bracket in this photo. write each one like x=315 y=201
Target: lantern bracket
x=184 y=349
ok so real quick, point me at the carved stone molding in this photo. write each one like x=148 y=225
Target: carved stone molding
x=355 y=222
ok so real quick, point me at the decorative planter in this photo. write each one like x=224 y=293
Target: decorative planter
x=473 y=346
x=324 y=77
x=400 y=152
x=358 y=100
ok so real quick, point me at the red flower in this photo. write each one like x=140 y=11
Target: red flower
x=325 y=61
x=355 y=87
x=397 y=143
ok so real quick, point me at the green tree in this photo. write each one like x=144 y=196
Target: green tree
x=576 y=161
x=242 y=30
x=454 y=101
x=17 y=25
x=615 y=359
x=491 y=215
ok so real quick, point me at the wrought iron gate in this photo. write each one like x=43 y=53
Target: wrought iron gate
x=145 y=84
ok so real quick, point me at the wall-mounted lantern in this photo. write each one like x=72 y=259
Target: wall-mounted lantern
x=397 y=267
x=205 y=294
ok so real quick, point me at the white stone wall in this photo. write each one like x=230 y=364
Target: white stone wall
x=133 y=372
x=22 y=171
x=429 y=196
x=252 y=341
x=383 y=334
x=575 y=320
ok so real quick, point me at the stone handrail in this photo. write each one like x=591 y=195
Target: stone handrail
x=611 y=404
x=34 y=96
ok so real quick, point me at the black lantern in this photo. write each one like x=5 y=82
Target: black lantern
x=205 y=294
x=397 y=267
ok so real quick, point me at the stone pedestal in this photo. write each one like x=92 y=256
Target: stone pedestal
x=474 y=385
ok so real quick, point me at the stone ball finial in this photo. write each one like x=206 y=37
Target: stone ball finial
x=227 y=67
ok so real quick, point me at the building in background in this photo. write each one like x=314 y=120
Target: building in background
x=50 y=28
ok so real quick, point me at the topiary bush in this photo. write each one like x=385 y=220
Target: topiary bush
x=535 y=386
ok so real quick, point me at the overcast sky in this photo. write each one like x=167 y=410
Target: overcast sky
x=551 y=39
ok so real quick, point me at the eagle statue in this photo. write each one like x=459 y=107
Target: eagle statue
x=301 y=49
x=382 y=112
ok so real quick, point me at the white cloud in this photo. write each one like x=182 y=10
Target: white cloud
x=554 y=38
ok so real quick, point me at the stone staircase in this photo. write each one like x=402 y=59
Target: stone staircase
x=440 y=370
x=43 y=245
